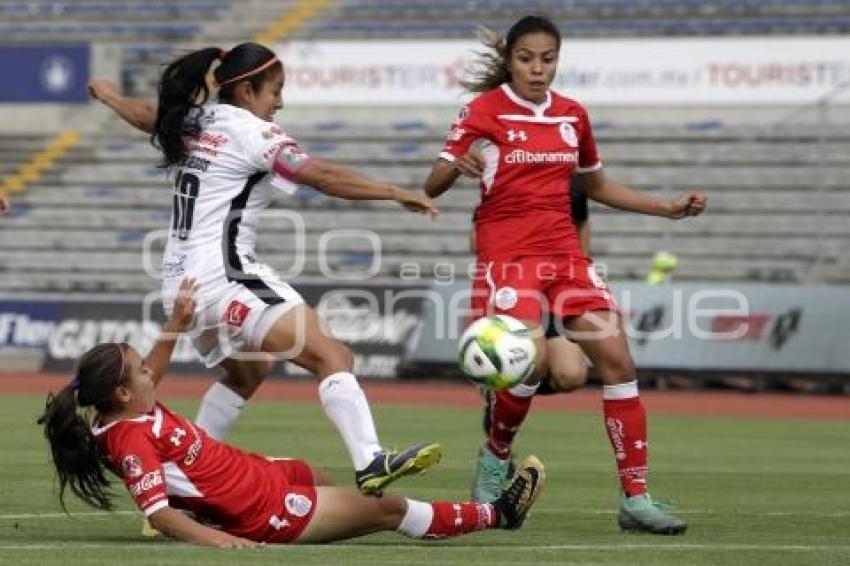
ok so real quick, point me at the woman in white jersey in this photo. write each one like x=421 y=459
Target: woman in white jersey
x=227 y=159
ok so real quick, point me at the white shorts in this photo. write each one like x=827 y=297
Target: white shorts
x=235 y=317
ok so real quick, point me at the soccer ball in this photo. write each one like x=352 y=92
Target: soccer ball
x=497 y=352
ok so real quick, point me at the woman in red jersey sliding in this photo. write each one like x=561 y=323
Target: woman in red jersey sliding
x=168 y=464
x=530 y=140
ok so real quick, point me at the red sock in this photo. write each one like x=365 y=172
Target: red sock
x=507 y=412
x=452 y=519
x=625 y=421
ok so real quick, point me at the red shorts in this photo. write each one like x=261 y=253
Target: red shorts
x=292 y=505
x=527 y=286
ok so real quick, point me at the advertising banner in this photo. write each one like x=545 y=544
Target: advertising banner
x=44 y=73
x=695 y=327
x=380 y=323
x=701 y=71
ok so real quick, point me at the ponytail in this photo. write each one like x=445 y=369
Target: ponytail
x=492 y=71
x=183 y=90
x=493 y=63
x=181 y=93
x=76 y=454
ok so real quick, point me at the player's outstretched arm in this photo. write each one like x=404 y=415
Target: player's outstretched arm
x=136 y=112
x=607 y=191
x=344 y=182
x=442 y=176
x=175 y=524
x=181 y=318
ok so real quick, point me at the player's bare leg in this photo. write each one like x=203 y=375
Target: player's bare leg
x=566 y=364
x=298 y=336
x=601 y=336
x=343 y=513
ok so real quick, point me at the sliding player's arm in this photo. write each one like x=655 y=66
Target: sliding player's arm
x=181 y=318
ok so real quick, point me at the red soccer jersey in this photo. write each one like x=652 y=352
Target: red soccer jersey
x=530 y=151
x=166 y=460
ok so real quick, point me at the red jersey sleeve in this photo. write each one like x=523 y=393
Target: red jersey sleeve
x=133 y=452
x=469 y=127
x=588 y=156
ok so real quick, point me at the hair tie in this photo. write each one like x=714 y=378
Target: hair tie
x=247 y=74
x=75 y=384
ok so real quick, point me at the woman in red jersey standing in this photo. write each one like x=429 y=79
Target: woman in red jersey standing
x=531 y=139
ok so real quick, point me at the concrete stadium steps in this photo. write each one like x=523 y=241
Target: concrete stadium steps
x=579 y=18
x=730 y=200
x=30 y=268
x=778 y=207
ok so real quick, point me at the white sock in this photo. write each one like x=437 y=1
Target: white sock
x=417 y=520
x=347 y=408
x=523 y=390
x=620 y=391
x=219 y=409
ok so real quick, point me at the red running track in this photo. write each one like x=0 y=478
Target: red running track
x=697 y=403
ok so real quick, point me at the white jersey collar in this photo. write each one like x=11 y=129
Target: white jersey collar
x=538 y=109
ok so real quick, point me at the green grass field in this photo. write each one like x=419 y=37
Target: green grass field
x=760 y=492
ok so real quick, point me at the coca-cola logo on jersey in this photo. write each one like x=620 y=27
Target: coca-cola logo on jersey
x=149 y=481
x=520 y=157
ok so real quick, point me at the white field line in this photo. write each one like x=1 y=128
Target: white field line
x=567 y=511
x=334 y=548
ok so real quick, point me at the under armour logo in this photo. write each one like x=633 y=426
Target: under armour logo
x=277 y=523
x=514 y=135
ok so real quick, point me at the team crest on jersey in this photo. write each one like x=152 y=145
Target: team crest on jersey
x=297 y=504
x=236 y=313
x=568 y=134
x=131 y=467
x=506 y=298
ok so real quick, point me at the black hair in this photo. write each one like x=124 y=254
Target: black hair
x=77 y=458
x=493 y=64
x=183 y=89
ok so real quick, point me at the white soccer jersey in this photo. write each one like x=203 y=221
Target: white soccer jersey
x=218 y=192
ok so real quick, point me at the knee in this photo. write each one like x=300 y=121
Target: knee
x=329 y=357
x=338 y=357
x=617 y=369
x=566 y=379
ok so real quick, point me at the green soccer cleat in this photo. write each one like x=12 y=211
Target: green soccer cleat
x=490 y=476
x=641 y=514
x=388 y=466
x=527 y=483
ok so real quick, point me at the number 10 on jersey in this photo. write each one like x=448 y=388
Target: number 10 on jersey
x=186 y=186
